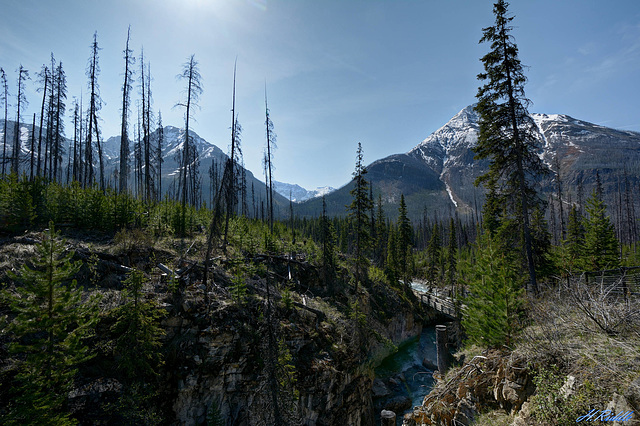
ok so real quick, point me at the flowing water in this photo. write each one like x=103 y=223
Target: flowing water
x=405 y=375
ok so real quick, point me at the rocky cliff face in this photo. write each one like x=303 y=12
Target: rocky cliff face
x=216 y=355
x=216 y=359
x=221 y=362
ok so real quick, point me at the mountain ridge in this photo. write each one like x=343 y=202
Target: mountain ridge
x=436 y=176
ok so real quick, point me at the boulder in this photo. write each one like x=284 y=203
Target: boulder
x=465 y=412
x=513 y=393
x=429 y=365
x=569 y=387
x=399 y=404
x=619 y=405
x=523 y=415
x=379 y=389
x=632 y=394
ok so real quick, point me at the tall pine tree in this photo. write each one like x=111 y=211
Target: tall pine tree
x=434 y=252
x=507 y=133
x=404 y=241
x=358 y=215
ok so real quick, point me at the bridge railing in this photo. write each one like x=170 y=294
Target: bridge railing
x=441 y=304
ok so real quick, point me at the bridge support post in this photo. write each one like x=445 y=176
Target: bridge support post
x=387 y=418
x=441 y=347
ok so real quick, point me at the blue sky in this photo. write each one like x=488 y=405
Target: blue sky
x=386 y=73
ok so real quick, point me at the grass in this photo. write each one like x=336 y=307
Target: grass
x=566 y=332
x=494 y=418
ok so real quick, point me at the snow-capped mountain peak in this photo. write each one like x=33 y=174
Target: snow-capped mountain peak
x=298 y=194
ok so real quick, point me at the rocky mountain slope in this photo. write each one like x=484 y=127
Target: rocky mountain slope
x=437 y=175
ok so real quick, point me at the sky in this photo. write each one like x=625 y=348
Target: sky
x=386 y=73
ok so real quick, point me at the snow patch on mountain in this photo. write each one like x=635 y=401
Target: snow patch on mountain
x=455 y=203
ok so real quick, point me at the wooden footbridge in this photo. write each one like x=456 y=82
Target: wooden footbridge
x=437 y=299
x=623 y=283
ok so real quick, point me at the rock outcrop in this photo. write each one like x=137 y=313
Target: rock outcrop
x=491 y=381
x=220 y=359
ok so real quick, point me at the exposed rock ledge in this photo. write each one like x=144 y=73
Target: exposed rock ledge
x=501 y=381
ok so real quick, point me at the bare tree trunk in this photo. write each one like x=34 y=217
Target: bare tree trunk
x=563 y=231
x=123 y=177
x=33 y=143
x=159 y=156
x=23 y=75
x=5 y=93
x=230 y=189
x=532 y=287
x=44 y=97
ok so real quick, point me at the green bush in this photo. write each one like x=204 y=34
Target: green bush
x=495 y=296
x=551 y=406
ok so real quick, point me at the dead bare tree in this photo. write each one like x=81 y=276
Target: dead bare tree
x=231 y=161
x=95 y=104
x=129 y=60
x=4 y=97
x=190 y=73
x=268 y=158
x=21 y=102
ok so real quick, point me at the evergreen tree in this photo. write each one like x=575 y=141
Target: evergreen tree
x=495 y=290
x=392 y=264
x=507 y=134
x=434 y=252
x=137 y=350
x=492 y=209
x=358 y=209
x=568 y=256
x=404 y=241
x=452 y=255
x=600 y=244
x=575 y=234
x=541 y=241
x=327 y=237
x=138 y=331
x=48 y=331
x=381 y=234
